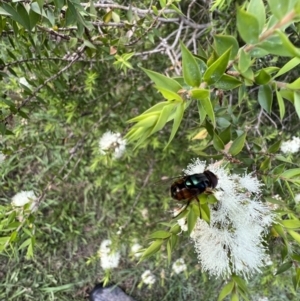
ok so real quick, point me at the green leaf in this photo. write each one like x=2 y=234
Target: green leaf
x=205 y=212
x=168 y=94
x=203 y=96
x=297 y=102
x=280 y=104
x=163 y=81
x=295 y=235
x=216 y=70
x=199 y=94
x=234 y=297
x=160 y=234
x=275 y=147
x=163 y=118
x=279 y=8
x=88 y=44
x=248 y=26
x=265 y=97
x=262 y=78
x=225 y=135
x=115 y=17
x=192 y=217
x=190 y=68
x=290 y=173
x=59 y=4
x=296 y=279
x=16 y=16
x=152 y=249
x=224 y=42
x=290 y=223
x=177 y=120
x=33 y=18
x=291 y=64
x=226 y=290
x=272 y=45
x=241 y=283
x=169 y=252
x=25 y=243
x=266 y=164
x=237 y=145
x=227 y=82
x=202 y=112
x=218 y=143
x=71 y=14
x=244 y=62
x=174 y=239
x=107 y=17
x=4 y=12
x=295 y=85
x=257 y=9
x=284 y=267
x=155 y=109
x=287 y=44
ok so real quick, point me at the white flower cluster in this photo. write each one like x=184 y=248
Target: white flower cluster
x=109 y=259
x=232 y=242
x=148 y=277
x=179 y=266
x=112 y=142
x=135 y=249
x=290 y=146
x=297 y=198
x=24 y=197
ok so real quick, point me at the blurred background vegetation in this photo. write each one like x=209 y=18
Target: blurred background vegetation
x=65 y=81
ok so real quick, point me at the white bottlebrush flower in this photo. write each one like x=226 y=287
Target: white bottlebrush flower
x=24 y=197
x=112 y=142
x=297 y=198
x=290 y=146
x=179 y=266
x=148 y=277
x=250 y=183
x=183 y=224
x=233 y=241
x=109 y=258
x=135 y=248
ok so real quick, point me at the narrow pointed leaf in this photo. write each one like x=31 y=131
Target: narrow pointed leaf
x=190 y=68
x=297 y=102
x=163 y=81
x=163 y=118
x=152 y=249
x=226 y=290
x=224 y=42
x=177 y=120
x=257 y=9
x=216 y=70
x=265 y=97
x=168 y=94
x=237 y=145
x=248 y=26
x=294 y=62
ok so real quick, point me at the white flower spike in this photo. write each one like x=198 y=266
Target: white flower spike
x=232 y=242
x=109 y=259
x=22 y=198
x=179 y=266
x=290 y=146
x=114 y=142
x=148 y=277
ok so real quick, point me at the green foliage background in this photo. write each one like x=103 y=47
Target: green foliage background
x=69 y=72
